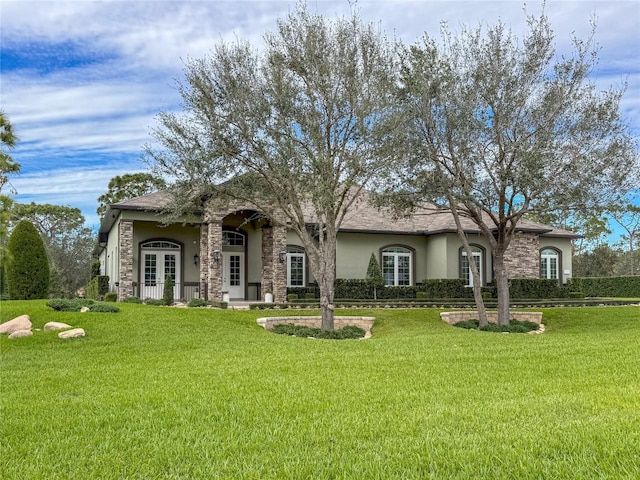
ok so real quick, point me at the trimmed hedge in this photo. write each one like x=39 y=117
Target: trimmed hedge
x=97 y=287
x=536 y=288
x=625 y=287
x=358 y=289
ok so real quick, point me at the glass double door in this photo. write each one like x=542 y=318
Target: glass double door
x=157 y=266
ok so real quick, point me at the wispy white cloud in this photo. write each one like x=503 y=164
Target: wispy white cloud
x=95 y=73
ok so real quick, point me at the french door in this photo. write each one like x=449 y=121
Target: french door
x=156 y=267
x=233 y=274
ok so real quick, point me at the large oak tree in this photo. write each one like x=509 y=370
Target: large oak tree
x=296 y=129
x=502 y=128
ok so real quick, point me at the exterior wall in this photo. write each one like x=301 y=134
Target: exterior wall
x=522 y=258
x=125 y=246
x=188 y=235
x=354 y=251
x=565 y=247
x=453 y=256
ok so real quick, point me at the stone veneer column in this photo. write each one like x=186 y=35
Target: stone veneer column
x=214 y=242
x=279 y=269
x=266 y=283
x=204 y=260
x=522 y=258
x=125 y=250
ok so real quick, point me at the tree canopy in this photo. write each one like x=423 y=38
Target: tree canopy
x=129 y=185
x=502 y=128
x=68 y=242
x=297 y=130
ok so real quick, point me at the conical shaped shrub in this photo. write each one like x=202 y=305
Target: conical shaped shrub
x=28 y=269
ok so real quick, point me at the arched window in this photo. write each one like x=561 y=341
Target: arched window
x=397 y=266
x=296 y=266
x=465 y=269
x=549 y=263
x=232 y=239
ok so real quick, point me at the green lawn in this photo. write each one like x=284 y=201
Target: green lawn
x=159 y=393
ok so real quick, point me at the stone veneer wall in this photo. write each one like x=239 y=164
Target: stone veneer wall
x=279 y=283
x=125 y=250
x=522 y=258
x=266 y=282
x=204 y=260
x=214 y=242
x=454 y=317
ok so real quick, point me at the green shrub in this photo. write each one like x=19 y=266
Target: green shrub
x=575 y=285
x=310 y=296
x=76 y=304
x=97 y=287
x=157 y=302
x=111 y=297
x=28 y=271
x=292 y=297
x=131 y=300
x=515 y=326
x=536 y=288
x=95 y=269
x=104 y=308
x=446 y=288
x=576 y=295
x=348 y=332
x=197 y=302
x=374 y=278
x=626 y=287
x=167 y=294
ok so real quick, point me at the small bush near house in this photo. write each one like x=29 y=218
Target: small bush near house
x=157 y=302
x=132 y=300
x=292 y=297
x=110 y=297
x=98 y=287
x=515 y=326
x=345 y=333
x=197 y=302
x=167 y=294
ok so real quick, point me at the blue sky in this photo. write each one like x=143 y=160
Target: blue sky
x=83 y=80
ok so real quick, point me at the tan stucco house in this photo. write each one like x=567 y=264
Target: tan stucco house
x=238 y=254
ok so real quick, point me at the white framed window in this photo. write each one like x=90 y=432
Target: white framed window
x=232 y=239
x=296 y=267
x=397 y=266
x=465 y=267
x=549 y=261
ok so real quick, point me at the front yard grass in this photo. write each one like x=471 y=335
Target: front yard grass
x=187 y=393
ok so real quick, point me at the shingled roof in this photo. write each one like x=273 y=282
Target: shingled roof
x=362 y=218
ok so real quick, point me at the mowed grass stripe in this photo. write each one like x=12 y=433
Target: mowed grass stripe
x=156 y=392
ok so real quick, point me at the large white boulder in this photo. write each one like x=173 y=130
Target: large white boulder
x=76 y=332
x=23 y=322
x=21 y=333
x=55 y=326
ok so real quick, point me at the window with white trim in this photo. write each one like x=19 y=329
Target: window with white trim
x=549 y=260
x=296 y=267
x=397 y=266
x=465 y=267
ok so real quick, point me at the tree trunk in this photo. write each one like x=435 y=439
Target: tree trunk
x=502 y=285
x=326 y=285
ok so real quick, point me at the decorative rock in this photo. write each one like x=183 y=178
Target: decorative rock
x=76 y=332
x=85 y=310
x=55 y=326
x=23 y=322
x=21 y=333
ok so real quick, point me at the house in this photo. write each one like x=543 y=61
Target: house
x=238 y=253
